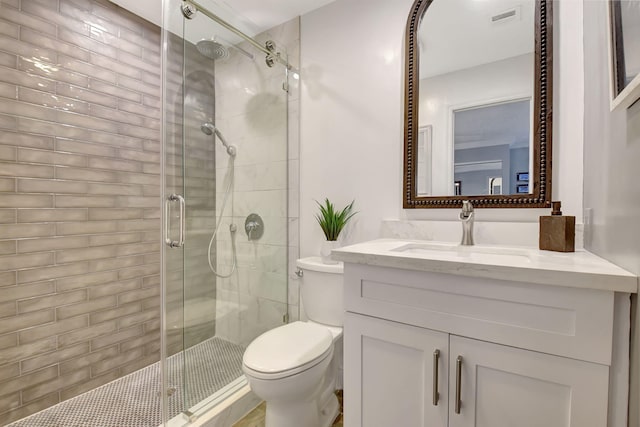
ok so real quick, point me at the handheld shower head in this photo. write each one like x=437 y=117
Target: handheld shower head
x=209 y=128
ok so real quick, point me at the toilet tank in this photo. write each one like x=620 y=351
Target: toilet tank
x=321 y=291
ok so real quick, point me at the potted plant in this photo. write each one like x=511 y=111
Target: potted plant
x=332 y=222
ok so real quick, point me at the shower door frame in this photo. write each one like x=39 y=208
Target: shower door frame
x=214 y=400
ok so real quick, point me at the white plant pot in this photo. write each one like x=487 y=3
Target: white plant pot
x=325 y=251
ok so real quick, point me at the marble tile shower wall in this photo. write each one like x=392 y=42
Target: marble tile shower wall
x=79 y=187
x=252 y=112
x=290 y=34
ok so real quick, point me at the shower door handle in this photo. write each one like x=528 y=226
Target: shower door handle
x=167 y=222
x=182 y=221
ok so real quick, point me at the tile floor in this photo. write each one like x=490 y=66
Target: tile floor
x=133 y=400
x=255 y=418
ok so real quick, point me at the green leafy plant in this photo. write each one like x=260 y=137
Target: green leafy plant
x=333 y=221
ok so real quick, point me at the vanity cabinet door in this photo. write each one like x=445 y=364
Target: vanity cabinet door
x=502 y=386
x=389 y=374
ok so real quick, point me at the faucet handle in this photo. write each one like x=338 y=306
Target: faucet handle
x=467 y=207
x=466 y=216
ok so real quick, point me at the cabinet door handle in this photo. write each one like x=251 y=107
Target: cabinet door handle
x=458 y=383
x=436 y=359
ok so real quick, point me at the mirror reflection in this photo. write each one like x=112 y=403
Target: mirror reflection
x=475 y=108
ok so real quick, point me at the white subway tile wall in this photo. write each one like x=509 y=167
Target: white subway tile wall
x=79 y=199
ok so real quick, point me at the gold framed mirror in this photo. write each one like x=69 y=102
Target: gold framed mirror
x=478 y=104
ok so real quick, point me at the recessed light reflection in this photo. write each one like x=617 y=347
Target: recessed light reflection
x=95 y=32
x=389 y=57
x=432 y=105
x=96 y=26
x=42 y=66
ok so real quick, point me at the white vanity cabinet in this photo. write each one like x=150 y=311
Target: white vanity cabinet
x=495 y=353
x=391 y=380
x=395 y=374
x=507 y=386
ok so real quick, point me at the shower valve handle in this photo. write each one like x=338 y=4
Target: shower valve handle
x=250 y=227
x=254 y=227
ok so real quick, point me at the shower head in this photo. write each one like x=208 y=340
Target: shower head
x=209 y=128
x=218 y=48
x=212 y=49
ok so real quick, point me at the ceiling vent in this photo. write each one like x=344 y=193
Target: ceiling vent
x=507 y=15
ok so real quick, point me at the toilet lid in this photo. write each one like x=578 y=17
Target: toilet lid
x=287 y=347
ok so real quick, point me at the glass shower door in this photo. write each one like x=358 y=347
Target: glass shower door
x=226 y=157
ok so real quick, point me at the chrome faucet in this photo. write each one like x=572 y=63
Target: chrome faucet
x=466 y=216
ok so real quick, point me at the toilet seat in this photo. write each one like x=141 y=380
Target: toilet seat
x=289 y=372
x=287 y=350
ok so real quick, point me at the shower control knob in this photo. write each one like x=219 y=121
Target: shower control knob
x=254 y=227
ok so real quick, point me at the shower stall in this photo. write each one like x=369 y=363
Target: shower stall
x=145 y=223
x=225 y=189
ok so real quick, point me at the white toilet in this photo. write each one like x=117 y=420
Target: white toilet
x=294 y=367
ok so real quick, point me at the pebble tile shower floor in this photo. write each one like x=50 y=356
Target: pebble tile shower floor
x=133 y=400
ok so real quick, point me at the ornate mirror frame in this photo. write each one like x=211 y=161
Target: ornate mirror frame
x=542 y=120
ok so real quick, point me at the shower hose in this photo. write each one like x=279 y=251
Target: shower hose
x=232 y=226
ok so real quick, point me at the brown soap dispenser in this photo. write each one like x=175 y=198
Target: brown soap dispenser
x=557 y=232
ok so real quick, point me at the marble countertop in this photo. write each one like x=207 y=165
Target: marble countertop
x=580 y=269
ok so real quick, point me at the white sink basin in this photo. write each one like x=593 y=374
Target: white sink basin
x=479 y=253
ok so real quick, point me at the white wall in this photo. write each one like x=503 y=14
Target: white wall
x=611 y=155
x=568 y=105
x=352 y=116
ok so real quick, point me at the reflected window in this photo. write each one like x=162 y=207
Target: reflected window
x=424 y=158
x=457 y=188
x=495 y=185
x=492 y=145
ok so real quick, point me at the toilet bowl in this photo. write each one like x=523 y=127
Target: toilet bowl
x=294 y=367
